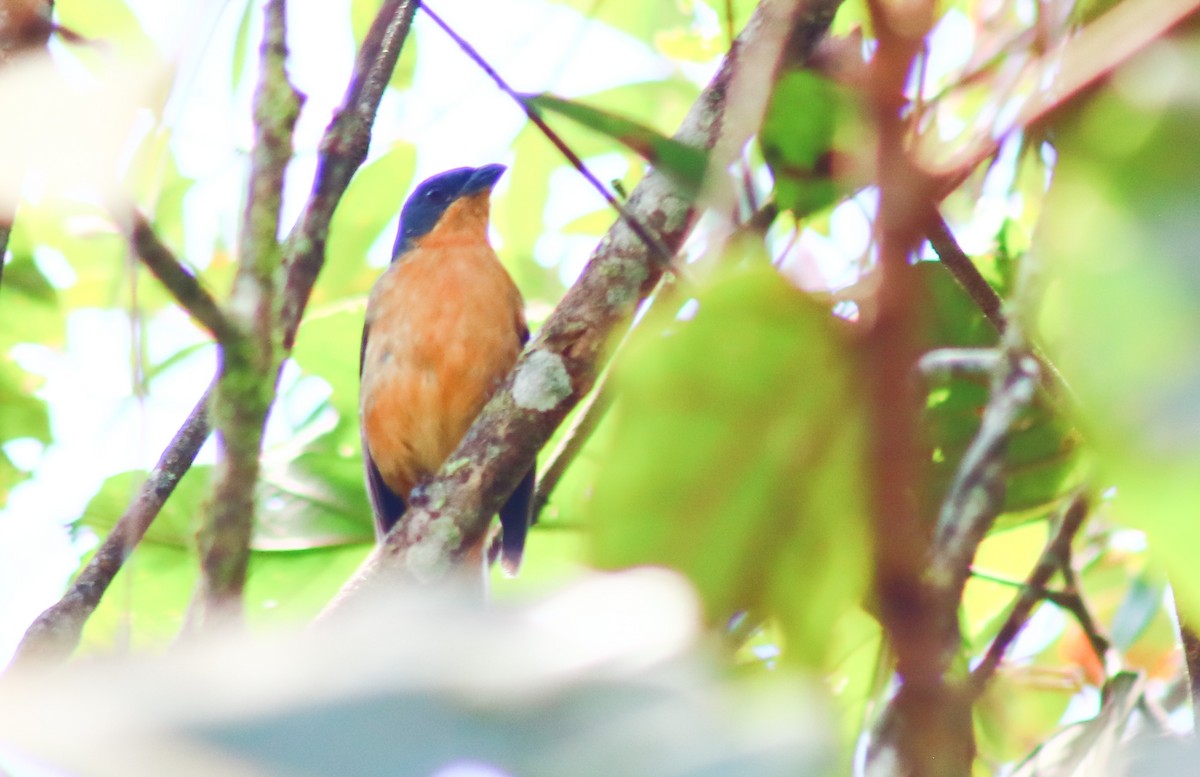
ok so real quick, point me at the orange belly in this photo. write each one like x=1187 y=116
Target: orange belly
x=444 y=328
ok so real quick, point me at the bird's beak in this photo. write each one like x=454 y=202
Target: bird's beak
x=483 y=179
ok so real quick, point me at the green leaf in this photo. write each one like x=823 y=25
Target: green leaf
x=643 y=20
x=316 y=498
x=241 y=45
x=736 y=456
x=370 y=204
x=810 y=139
x=1122 y=317
x=328 y=346
x=682 y=163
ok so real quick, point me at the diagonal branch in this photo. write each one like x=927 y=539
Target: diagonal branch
x=1058 y=547
x=56 y=632
x=183 y=285
x=561 y=364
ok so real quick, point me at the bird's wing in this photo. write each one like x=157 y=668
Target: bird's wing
x=386 y=505
x=515 y=517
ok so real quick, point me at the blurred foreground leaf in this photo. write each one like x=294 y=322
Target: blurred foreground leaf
x=600 y=680
x=1122 y=318
x=737 y=455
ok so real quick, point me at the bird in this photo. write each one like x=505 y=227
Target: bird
x=444 y=325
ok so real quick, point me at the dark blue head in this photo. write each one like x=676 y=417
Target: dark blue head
x=434 y=195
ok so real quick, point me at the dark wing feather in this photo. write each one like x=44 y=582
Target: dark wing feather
x=386 y=505
x=515 y=518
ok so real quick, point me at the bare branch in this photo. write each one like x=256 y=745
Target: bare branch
x=560 y=365
x=1058 y=548
x=55 y=633
x=343 y=150
x=245 y=385
x=976 y=495
x=184 y=287
x=964 y=271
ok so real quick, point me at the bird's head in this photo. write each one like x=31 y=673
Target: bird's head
x=459 y=193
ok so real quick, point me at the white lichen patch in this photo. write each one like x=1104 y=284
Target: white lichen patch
x=429 y=559
x=541 y=382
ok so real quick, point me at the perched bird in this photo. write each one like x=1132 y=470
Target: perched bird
x=444 y=325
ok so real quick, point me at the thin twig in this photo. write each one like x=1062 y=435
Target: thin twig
x=964 y=271
x=560 y=365
x=1057 y=548
x=183 y=285
x=651 y=240
x=1072 y=601
x=1191 y=656
x=54 y=635
x=245 y=385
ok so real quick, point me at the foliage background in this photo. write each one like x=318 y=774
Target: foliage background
x=736 y=451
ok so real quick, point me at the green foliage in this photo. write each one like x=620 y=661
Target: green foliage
x=808 y=136
x=683 y=163
x=1123 y=320
x=739 y=435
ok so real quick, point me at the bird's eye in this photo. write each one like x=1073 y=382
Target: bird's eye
x=436 y=196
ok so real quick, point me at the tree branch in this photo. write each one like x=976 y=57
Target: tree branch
x=343 y=149
x=976 y=495
x=245 y=388
x=1058 y=548
x=54 y=635
x=560 y=365
x=184 y=287
x=955 y=260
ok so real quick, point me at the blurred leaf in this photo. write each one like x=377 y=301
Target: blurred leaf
x=148 y=600
x=1143 y=601
x=328 y=346
x=810 y=137
x=110 y=21
x=683 y=163
x=29 y=305
x=740 y=439
x=642 y=20
x=315 y=498
x=1086 y=748
x=21 y=413
x=241 y=45
x=370 y=204
x=1043 y=459
x=1122 y=319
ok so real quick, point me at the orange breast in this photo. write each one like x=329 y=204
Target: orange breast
x=445 y=326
